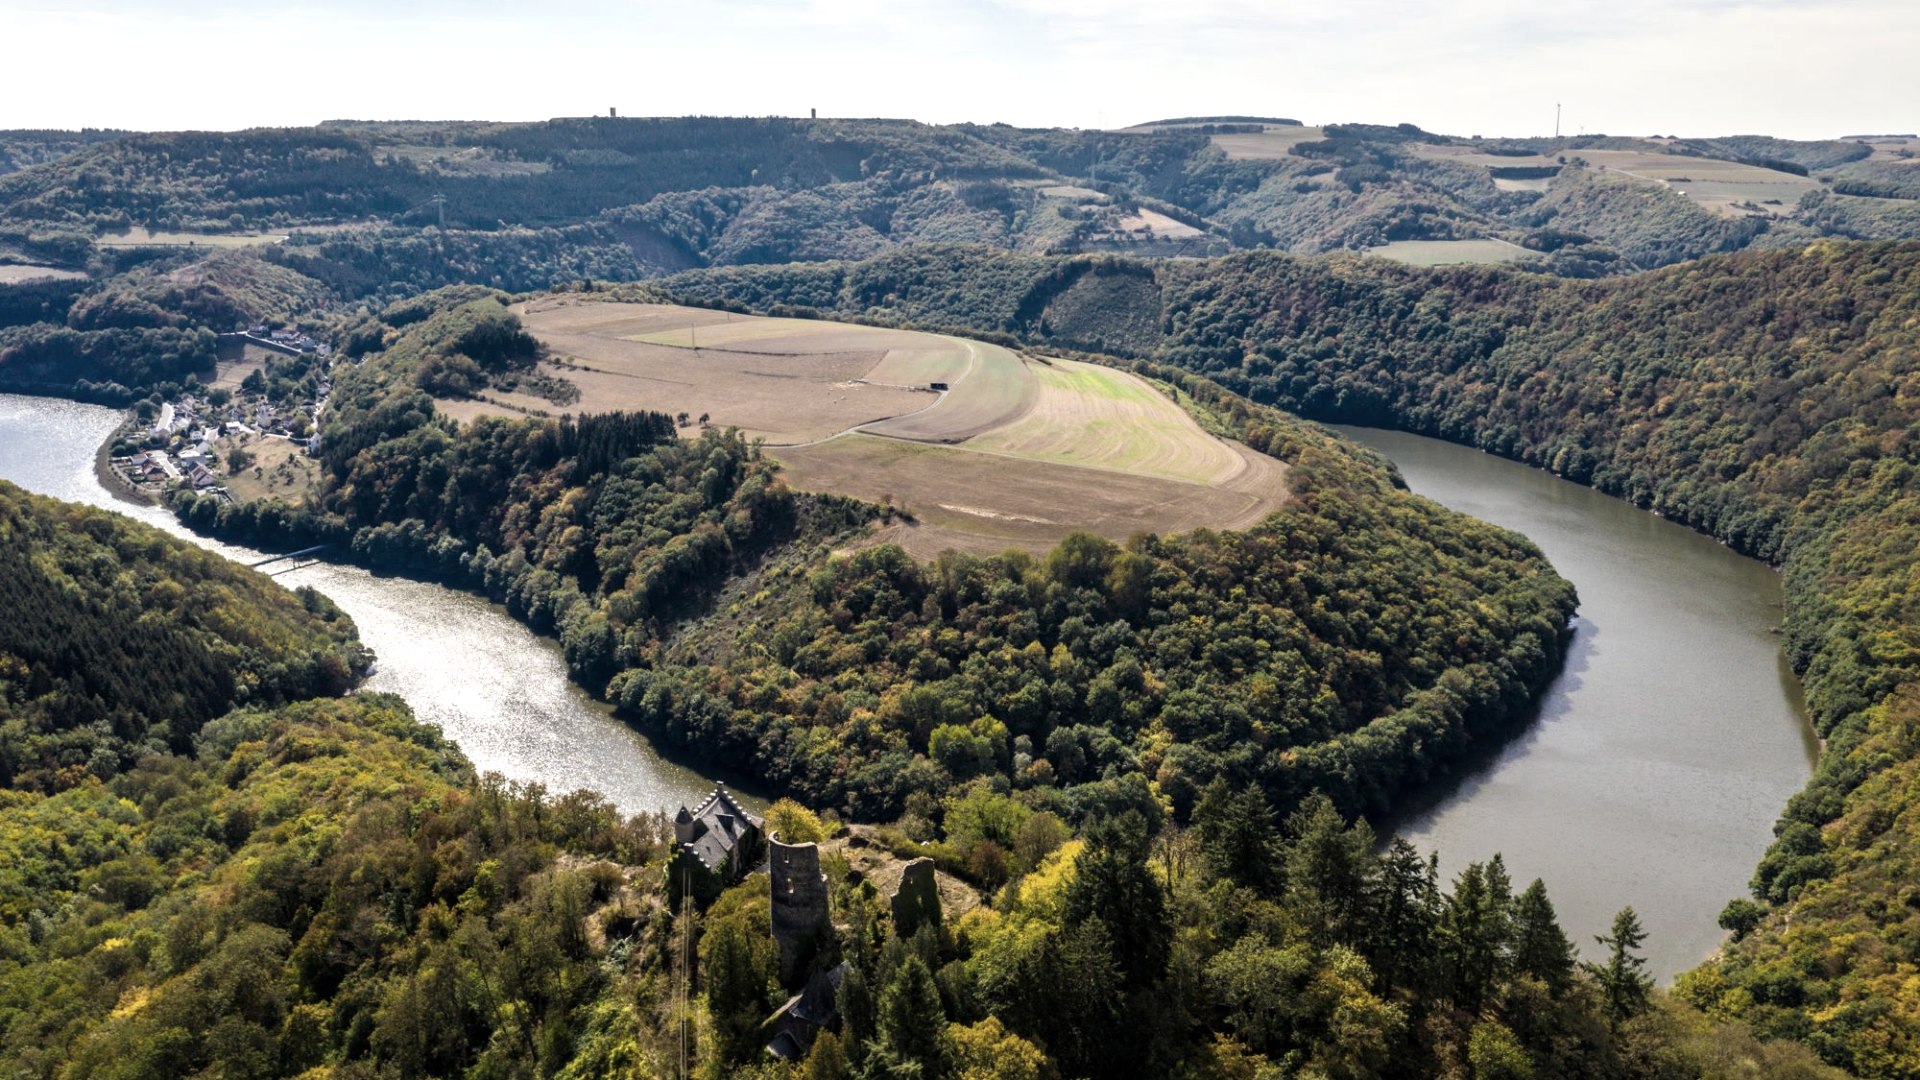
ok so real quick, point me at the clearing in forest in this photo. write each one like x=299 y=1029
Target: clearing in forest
x=1448 y=252
x=985 y=448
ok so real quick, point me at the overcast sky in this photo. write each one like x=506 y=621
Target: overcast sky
x=1796 y=68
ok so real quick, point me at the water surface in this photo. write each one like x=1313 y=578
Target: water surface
x=491 y=684
x=1668 y=745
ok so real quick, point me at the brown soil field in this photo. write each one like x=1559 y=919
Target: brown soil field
x=784 y=380
x=995 y=389
x=986 y=503
x=12 y=273
x=1017 y=453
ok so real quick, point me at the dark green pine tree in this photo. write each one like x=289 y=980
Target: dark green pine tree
x=1474 y=935
x=913 y=1025
x=1329 y=871
x=1624 y=982
x=1113 y=883
x=1237 y=835
x=1405 y=918
x=1540 y=949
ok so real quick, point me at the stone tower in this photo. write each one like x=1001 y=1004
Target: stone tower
x=800 y=917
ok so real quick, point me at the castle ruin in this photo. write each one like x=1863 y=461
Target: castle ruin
x=801 y=920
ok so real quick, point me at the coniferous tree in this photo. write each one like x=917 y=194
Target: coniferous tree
x=1329 y=870
x=1237 y=835
x=1474 y=936
x=1624 y=982
x=913 y=1026
x=1113 y=882
x=1540 y=948
x=1405 y=913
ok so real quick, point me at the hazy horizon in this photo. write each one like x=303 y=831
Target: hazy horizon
x=1690 y=67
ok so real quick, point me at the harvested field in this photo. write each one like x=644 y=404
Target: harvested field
x=1714 y=185
x=1723 y=187
x=986 y=503
x=785 y=380
x=996 y=388
x=921 y=367
x=1156 y=224
x=13 y=273
x=237 y=360
x=139 y=237
x=1272 y=144
x=1446 y=252
x=281 y=469
x=1016 y=453
x=1101 y=418
x=1075 y=192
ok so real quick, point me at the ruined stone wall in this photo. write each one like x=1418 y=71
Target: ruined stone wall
x=801 y=919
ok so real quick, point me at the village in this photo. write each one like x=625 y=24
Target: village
x=254 y=427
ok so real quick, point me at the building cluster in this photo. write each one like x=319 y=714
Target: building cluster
x=183 y=439
x=287 y=339
x=719 y=843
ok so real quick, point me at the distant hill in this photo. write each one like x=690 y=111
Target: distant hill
x=534 y=204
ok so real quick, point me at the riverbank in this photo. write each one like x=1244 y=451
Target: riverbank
x=111 y=479
x=1671 y=740
x=489 y=683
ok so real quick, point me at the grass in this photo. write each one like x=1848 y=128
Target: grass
x=280 y=469
x=1275 y=143
x=1099 y=418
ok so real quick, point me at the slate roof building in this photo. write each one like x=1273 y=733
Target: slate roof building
x=807 y=1013
x=715 y=845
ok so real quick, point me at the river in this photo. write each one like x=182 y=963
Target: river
x=1652 y=776
x=491 y=684
x=1666 y=748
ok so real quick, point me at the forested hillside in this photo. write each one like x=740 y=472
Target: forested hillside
x=1766 y=398
x=120 y=642
x=184 y=235
x=323 y=889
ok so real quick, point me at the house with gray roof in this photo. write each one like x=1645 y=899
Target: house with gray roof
x=715 y=845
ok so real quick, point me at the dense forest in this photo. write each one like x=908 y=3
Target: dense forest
x=120 y=642
x=324 y=889
x=346 y=214
x=1765 y=398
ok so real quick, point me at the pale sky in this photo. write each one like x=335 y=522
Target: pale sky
x=1793 y=68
